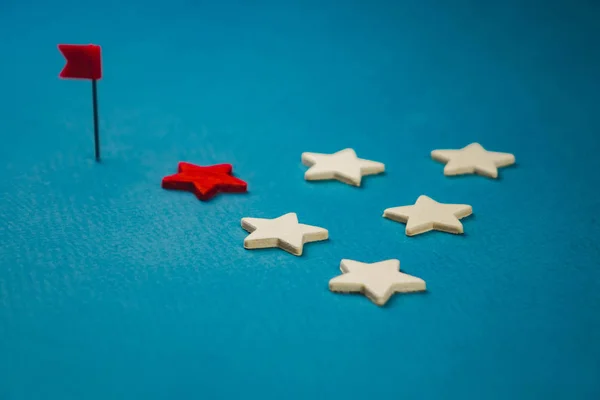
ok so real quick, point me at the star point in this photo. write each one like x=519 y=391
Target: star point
x=284 y=232
x=427 y=214
x=378 y=281
x=343 y=165
x=472 y=159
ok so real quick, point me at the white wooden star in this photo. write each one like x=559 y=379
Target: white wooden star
x=284 y=232
x=378 y=281
x=343 y=166
x=473 y=159
x=427 y=214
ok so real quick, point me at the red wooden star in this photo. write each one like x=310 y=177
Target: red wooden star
x=204 y=182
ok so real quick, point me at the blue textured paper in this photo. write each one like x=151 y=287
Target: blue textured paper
x=112 y=288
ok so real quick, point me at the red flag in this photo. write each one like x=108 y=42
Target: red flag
x=83 y=61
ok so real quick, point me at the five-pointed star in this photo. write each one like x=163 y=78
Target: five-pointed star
x=473 y=159
x=378 y=281
x=343 y=166
x=284 y=232
x=204 y=182
x=427 y=214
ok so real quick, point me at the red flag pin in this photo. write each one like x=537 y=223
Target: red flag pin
x=84 y=62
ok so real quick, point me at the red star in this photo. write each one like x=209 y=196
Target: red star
x=204 y=182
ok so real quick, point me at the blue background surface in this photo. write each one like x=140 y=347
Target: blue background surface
x=112 y=288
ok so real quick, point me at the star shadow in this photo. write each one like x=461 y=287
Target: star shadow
x=422 y=235
x=341 y=181
x=475 y=175
x=307 y=248
x=397 y=297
